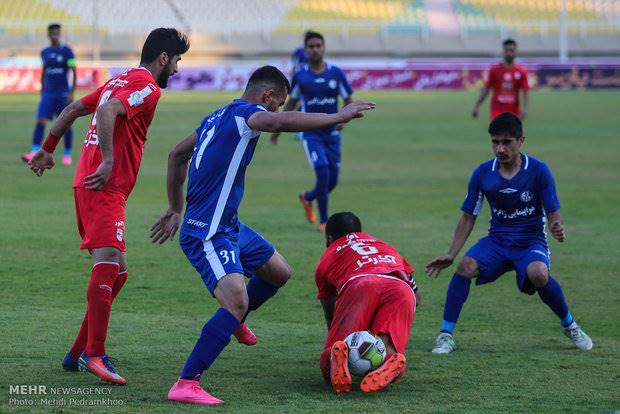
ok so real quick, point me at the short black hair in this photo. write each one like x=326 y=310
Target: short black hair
x=268 y=75
x=508 y=42
x=341 y=224
x=506 y=124
x=53 y=26
x=312 y=35
x=161 y=40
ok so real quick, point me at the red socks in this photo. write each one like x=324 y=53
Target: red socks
x=82 y=337
x=104 y=285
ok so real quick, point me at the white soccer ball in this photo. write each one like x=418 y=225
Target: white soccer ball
x=366 y=352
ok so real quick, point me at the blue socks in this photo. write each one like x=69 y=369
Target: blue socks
x=214 y=338
x=320 y=191
x=552 y=295
x=68 y=141
x=259 y=292
x=37 y=136
x=457 y=293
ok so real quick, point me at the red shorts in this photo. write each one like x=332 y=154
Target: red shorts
x=372 y=303
x=100 y=218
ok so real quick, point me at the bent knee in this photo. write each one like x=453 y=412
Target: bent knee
x=538 y=274
x=468 y=268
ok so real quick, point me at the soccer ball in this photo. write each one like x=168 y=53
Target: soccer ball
x=366 y=352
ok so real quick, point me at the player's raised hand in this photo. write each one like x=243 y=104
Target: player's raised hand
x=273 y=138
x=438 y=264
x=558 y=231
x=97 y=180
x=41 y=161
x=355 y=110
x=166 y=227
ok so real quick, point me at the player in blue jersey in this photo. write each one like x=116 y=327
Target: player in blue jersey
x=58 y=60
x=219 y=246
x=521 y=193
x=318 y=85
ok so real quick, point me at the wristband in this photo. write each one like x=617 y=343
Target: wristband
x=50 y=143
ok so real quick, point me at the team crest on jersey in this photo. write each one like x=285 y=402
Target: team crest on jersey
x=517 y=75
x=59 y=58
x=332 y=84
x=119 y=234
x=526 y=196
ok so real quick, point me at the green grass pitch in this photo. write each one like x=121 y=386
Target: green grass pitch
x=404 y=172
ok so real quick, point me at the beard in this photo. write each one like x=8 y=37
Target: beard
x=509 y=59
x=162 y=79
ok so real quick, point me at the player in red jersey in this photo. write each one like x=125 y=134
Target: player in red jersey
x=123 y=109
x=506 y=79
x=364 y=284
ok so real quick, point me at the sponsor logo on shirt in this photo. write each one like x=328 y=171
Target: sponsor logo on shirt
x=518 y=213
x=137 y=97
x=54 y=71
x=321 y=101
x=508 y=190
x=118 y=82
x=196 y=223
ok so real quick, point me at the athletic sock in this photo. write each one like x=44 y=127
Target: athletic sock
x=37 y=136
x=553 y=296
x=68 y=141
x=99 y=301
x=259 y=292
x=457 y=293
x=321 y=190
x=213 y=339
x=79 y=345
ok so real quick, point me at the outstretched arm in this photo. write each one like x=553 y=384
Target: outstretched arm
x=106 y=119
x=463 y=230
x=483 y=95
x=293 y=121
x=290 y=105
x=328 y=308
x=43 y=159
x=168 y=224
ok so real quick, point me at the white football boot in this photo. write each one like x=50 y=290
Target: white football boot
x=578 y=336
x=444 y=344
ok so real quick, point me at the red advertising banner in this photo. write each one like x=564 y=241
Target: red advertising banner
x=26 y=79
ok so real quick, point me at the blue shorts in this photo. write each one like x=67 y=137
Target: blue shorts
x=51 y=104
x=225 y=253
x=322 y=152
x=494 y=259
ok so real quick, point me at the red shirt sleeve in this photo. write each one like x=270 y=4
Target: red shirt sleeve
x=489 y=79
x=525 y=83
x=408 y=268
x=90 y=101
x=325 y=289
x=138 y=97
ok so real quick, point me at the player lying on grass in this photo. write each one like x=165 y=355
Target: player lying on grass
x=222 y=249
x=364 y=284
x=105 y=175
x=522 y=197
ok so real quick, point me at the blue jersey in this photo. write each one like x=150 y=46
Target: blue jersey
x=319 y=92
x=57 y=62
x=518 y=206
x=224 y=148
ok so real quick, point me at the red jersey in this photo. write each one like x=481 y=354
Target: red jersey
x=138 y=93
x=357 y=254
x=506 y=84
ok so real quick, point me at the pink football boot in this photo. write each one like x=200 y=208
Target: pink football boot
x=190 y=392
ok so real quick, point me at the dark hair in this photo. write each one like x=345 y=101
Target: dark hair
x=161 y=40
x=341 y=224
x=268 y=75
x=506 y=124
x=53 y=26
x=508 y=42
x=312 y=35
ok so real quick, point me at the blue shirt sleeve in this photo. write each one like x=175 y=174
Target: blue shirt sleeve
x=344 y=90
x=295 y=89
x=546 y=187
x=474 y=198
x=246 y=111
